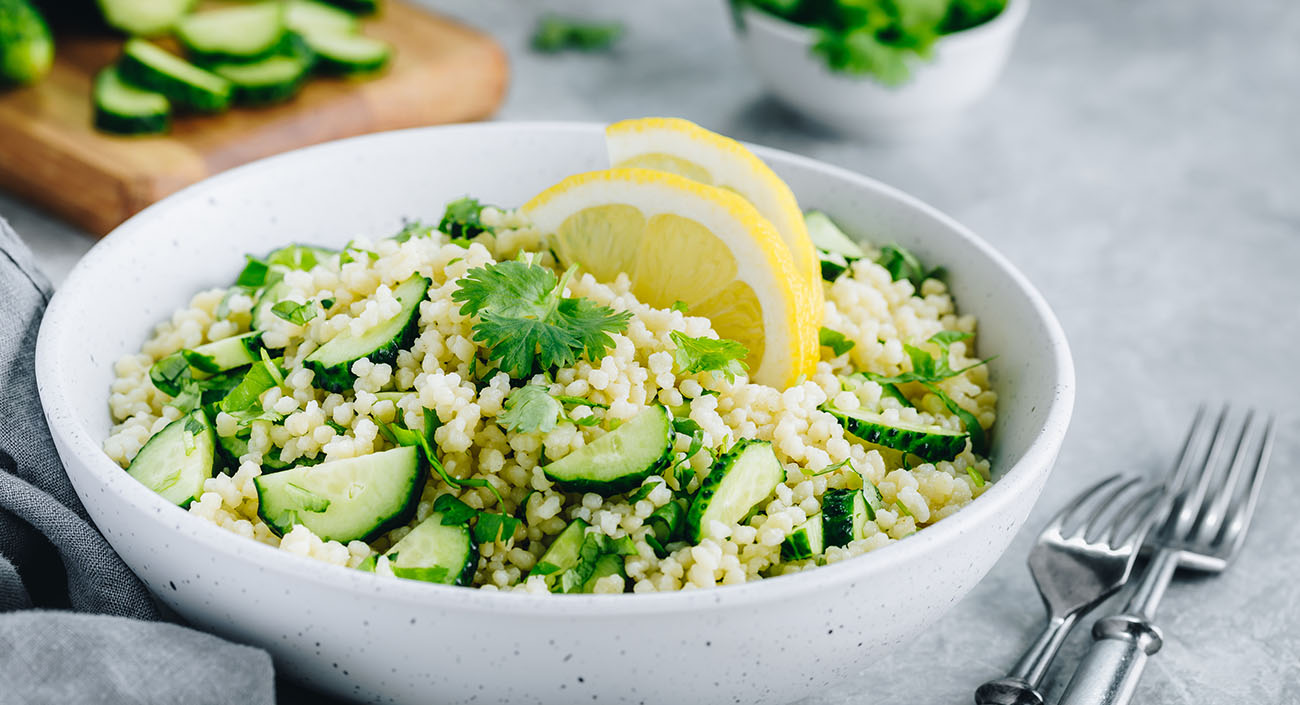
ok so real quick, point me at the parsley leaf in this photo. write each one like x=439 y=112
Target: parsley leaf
x=902 y=264
x=554 y=34
x=295 y=313
x=722 y=357
x=453 y=510
x=461 y=220
x=413 y=229
x=489 y=527
x=679 y=306
x=527 y=324
x=529 y=409
x=835 y=340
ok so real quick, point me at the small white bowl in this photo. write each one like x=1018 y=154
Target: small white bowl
x=964 y=66
x=388 y=640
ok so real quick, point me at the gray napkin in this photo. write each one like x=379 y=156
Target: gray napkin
x=53 y=559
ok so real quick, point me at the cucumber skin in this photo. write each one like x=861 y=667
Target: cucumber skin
x=358 y=7
x=466 y=577
x=709 y=487
x=626 y=482
x=837 y=516
x=199 y=99
x=339 y=378
x=127 y=126
x=932 y=449
x=26 y=46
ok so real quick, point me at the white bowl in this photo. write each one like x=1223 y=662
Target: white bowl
x=377 y=639
x=964 y=66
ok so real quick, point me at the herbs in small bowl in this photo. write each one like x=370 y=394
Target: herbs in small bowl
x=879 y=67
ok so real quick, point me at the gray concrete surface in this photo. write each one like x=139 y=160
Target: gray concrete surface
x=1139 y=162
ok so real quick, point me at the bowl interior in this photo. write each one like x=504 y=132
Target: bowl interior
x=366 y=186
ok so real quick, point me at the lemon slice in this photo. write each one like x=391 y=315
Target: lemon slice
x=680 y=240
x=684 y=148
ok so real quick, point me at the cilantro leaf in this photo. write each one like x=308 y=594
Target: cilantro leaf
x=527 y=324
x=295 y=313
x=835 y=340
x=413 y=229
x=554 y=34
x=679 y=306
x=529 y=409
x=594 y=547
x=461 y=220
x=722 y=357
x=453 y=510
x=254 y=273
x=169 y=373
x=491 y=527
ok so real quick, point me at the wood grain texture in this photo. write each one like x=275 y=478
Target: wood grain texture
x=51 y=154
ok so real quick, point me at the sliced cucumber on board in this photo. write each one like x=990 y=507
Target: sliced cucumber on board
x=332 y=362
x=435 y=553
x=274 y=79
x=347 y=54
x=240 y=33
x=344 y=500
x=178 y=459
x=26 y=47
x=360 y=7
x=740 y=479
x=844 y=516
x=124 y=109
x=804 y=542
x=930 y=443
x=619 y=460
x=149 y=66
x=145 y=18
x=307 y=17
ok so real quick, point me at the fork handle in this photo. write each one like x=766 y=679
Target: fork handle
x=1109 y=673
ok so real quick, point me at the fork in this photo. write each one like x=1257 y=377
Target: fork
x=1201 y=530
x=1083 y=556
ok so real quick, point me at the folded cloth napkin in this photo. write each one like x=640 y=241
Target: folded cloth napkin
x=54 y=560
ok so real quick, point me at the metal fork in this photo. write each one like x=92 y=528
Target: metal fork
x=1083 y=556
x=1201 y=530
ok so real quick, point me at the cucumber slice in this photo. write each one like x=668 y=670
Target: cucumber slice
x=274 y=79
x=804 y=542
x=345 y=54
x=206 y=360
x=240 y=33
x=562 y=554
x=835 y=249
x=740 y=479
x=178 y=459
x=360 y=7
x=619 y=460
x=871 y=494
x=844 y=514
x=332 y=362
x=435 y=553
x=930 y=443
x=26 y=46
x=232 y=352
x=146 y=18
x=827 y=236
x=606 y=565
x=123 y=109
x=307 y=17
x=344 y=500
x=185 y=84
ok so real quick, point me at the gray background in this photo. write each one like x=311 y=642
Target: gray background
x=1139 y=162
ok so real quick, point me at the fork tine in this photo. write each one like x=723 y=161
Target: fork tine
x=1195 y=470
x=1215 y=505
x=1088 y=510
x=1072 y=508
x=1132 y=520
x=1239 y=515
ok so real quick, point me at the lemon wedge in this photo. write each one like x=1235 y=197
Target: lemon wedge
x=681 y=240
x=684 y=148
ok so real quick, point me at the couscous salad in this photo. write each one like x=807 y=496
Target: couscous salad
x=655 y=377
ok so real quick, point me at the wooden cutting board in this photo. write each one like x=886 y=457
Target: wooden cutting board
x=51 y=154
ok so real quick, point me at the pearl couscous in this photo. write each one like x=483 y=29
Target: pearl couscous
x=497 y=460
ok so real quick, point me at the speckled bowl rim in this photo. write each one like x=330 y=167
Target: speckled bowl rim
x=55 y=338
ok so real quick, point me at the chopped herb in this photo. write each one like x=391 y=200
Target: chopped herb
x=829 y=468
x=295 y=313
x=398 y=435
x=253 y=274
x=244 y=401
x=579 y=401
x=453 y=510
x=351 y=252
x=413 y=229
x=686 y=427
x=926 y=368
x=722 y=357
x=301 y=257
x=979 y=439
x=586 y=420
x=890 y=390
x=491 y=527
x=594 y=546
x=642 y=492
x=554 y=34
x=338 y=428
x=544 y=568
x=902 y=264
x=169 y=373
x=327 y=304
x=530 y=409
x=527 y=324
x=679 y=306
x=461 y=220
x=271 y=366
x=902 y=509
x=835 y=340
x=975 y=476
